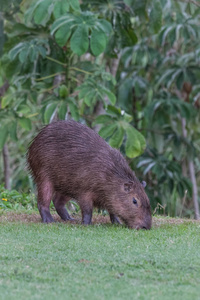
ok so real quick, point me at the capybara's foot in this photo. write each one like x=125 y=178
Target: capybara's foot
x=87 y=219
x=65 y=216
x=114 y=219
x=46 y=216
x=63 y=213
x=47 y=220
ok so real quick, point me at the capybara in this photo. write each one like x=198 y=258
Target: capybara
x=69 y=160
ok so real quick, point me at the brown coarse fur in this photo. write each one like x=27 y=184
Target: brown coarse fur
x=69 y=160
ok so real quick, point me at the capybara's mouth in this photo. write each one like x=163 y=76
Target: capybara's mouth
x=138 y=226
x=142 y=227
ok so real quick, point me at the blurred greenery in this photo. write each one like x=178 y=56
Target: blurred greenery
x=128 y=69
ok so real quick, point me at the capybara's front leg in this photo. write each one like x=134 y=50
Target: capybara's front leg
x=45 y=192
x=86 y=205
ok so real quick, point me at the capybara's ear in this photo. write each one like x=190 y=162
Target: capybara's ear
x=144 y=184
x=128 y=186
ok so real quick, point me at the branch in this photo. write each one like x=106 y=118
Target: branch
x=194 y=2
x=4 y=88
x=190 y=1
x=6 y=166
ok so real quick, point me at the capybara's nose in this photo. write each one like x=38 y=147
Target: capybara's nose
x=142 y=227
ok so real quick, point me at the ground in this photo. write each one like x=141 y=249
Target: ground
x=103 y=261
x=34 y=217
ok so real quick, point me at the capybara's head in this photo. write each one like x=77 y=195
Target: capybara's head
x=133 y=205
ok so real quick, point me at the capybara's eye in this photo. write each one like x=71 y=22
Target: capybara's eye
x=134 y=201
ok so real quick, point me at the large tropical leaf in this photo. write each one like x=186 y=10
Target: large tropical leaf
x=84 y=28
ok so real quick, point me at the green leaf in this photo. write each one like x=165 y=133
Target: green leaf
x=144 y=161
x=3 y=136
x=63 y=34
x=138 y=6
x=28 y=50
x=32 y=54
x=180 y=80
x=13 y=131
x=23 y=55
x=66 y=20
x=149 y=167
x=101 y=119
x=187 y=185
x=128 y=118
x=142 y=141
x=132 y=146
x=97 y=42
x=132 y=36
x=25 y=123
x=23 y=109
x=117 y=138
x=113 y=110
x=186 y=110
x=75 y=4
x=83 y=91
x=42 y=51
x=18 y=29
x=74 y=111
x=60 y=8
x=49 y=112
x=110 y=95
x=180 y=189
x=90 y=97
x=135 y=143
x=15 y=51
x=62 y=111
x=108 y=130
x=6 y=100
x=156 y=16
x=63 y=91
x=104 y=26
x=43 y=11
x=108 y=77
x=79 y=41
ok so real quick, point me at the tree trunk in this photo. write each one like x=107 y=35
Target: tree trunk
x=3 y=89
x=194 y=189
x=192 y=176
x=6 y=167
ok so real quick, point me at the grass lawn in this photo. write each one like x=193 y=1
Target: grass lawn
x=70 y=261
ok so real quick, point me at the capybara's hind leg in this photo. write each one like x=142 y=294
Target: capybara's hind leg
x=45 y=193
x=114 y=219
x=59 y=202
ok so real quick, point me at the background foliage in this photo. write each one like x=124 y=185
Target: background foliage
x=128 y=69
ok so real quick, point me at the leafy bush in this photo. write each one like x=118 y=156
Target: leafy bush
x=15 y=200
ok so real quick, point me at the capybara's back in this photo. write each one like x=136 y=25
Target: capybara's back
x=69 y=160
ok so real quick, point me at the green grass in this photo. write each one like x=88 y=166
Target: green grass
x=63 y=261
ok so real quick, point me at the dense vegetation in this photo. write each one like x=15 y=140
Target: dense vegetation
x=128 y=69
